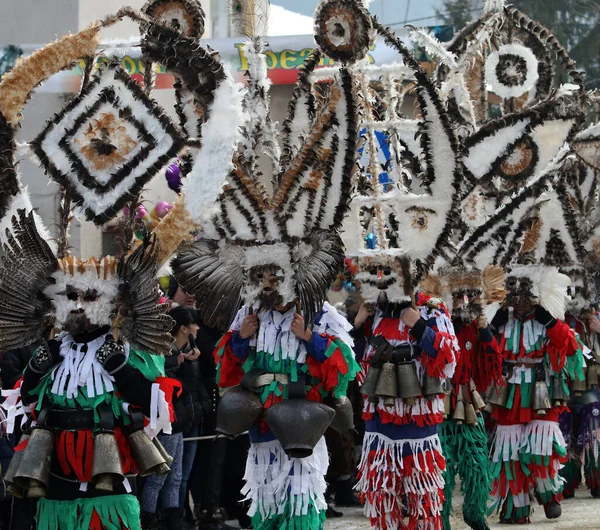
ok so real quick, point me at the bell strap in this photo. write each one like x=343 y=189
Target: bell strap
x=382 y=349
x=248 y=381
x=297 y=389
x=267 y=379
x=137 y=419
x=107 y=418
x=405 y=353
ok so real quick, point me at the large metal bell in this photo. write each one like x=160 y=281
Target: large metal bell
x=168 y=458
x=447 y=405
x=592 y=376
x=343 y=421
x=147 y=457
x=477 y=400
x=370 y=383
x=106 y=466
x=433 y=386
x=541 y=398
x=459 y=414
x=578 y=387
x=559 y=397
x=11 y=471
x=387 y=384
x=299 y=424
x=470 y=414
x=497 y=396
x=238 y=410
x=409 y=386
x=33 y=472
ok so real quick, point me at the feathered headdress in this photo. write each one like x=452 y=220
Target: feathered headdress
x=102 y=149
x=291 y=233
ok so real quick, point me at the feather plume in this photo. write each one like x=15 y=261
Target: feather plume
x=553 y=287
x=493 y=284
x=25 y=271
x=431 y=285
x=433 y=46
x=145 y=324
x=251 y=17
x=214 y=276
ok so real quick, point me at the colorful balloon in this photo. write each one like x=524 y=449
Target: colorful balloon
x=173 y=176
x=162 y=208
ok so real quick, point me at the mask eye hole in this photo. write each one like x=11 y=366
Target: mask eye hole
x=71 y=293
x=373 y=271
x=387 y=271
x=90 y=296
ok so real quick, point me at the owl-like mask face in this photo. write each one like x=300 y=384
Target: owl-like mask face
x=383 y=275
x=522 y=293
x=84 y=294
x=266 y=280
x=467 y=304
x=268 y=275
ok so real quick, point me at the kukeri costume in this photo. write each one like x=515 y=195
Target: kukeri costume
x=479 y=365
x=95 y=394
x=275 y=256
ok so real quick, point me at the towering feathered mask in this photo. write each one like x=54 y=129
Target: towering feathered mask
x=275 y=248
x=102 y=149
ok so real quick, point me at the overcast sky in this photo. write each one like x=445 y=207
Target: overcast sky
x=388 y=11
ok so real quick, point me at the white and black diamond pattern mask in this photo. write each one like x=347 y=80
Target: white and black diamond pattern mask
x=107 y=144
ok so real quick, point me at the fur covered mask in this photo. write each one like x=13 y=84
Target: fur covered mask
x=384 y=277
x=84 y=293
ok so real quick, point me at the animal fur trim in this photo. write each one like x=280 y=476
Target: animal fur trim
x=17 y=85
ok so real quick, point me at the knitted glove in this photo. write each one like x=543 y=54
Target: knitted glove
x=544 y=317
x=111 y=355
x=43 y=360
x=500 y=319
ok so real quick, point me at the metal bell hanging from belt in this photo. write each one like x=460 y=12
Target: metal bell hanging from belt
x=497 y=396
x=106 y=465
x=433 y=386
x=387 y=384
x=163 y=452
x=559 y=396
x=148 y=458
x=541 y=398
x=476 y=399
x=239 y=408
x=409 y=386
x=9 y=476
x=343 y=421
x=298 y=423
x=33 y=472
x=370 y=383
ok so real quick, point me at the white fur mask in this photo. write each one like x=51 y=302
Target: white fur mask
x=83 y=291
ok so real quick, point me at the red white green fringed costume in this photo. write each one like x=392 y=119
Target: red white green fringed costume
x=402 y=460
x=466 y=446
x=529 y=448
x=287 y=494
x=80 y=383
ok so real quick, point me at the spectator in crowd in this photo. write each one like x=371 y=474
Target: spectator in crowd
x=16 y=514
x=162 y=493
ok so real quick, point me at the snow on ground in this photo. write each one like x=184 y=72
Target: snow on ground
x=581 y=513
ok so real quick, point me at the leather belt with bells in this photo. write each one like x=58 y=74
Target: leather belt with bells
x=267 y=379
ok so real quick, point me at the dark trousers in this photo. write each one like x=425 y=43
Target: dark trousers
x=206 y=480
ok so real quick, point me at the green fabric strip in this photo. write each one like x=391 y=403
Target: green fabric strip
x=313 y=520
x=151 y=366
x=115 y=511
x=466 y=451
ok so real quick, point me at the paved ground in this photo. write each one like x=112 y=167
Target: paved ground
x=582 y=513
